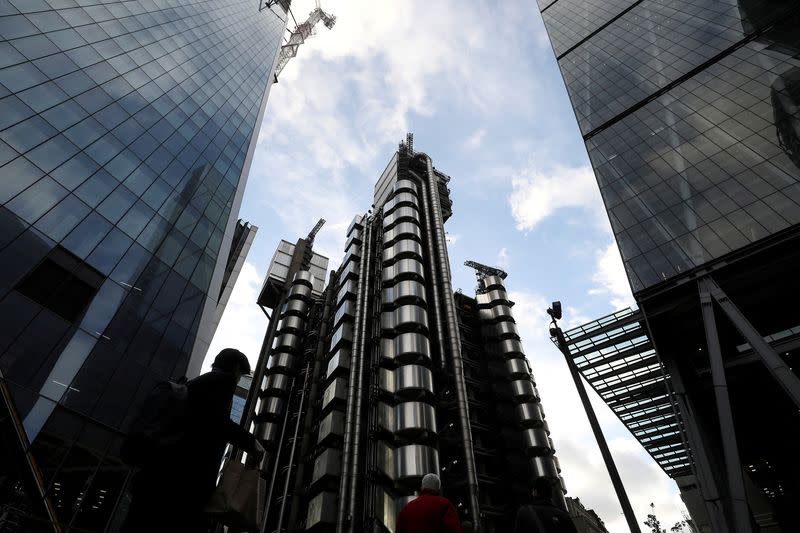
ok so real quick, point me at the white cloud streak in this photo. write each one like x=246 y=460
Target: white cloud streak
x=503 y=258
x=611 y=277
x=537 y=195
x=475 y=140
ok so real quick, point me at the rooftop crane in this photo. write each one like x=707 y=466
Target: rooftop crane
x=300 y=34
x=315 y=230
x=481 y=271
x=308 y=251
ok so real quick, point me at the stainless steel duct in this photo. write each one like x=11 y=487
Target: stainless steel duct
x=434 y=281
x=356 y=369
x=366 y=282
x=455 y=342
x=305 y=445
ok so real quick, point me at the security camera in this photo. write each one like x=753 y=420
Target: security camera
x=555 y=311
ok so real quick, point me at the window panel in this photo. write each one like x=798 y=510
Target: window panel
x=82 y=240
x=59 y=221
x=110 y=250
x=37 y=199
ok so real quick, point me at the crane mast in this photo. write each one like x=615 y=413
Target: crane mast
x=299 y=36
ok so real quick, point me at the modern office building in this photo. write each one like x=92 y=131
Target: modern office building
x=388 y=375
x=689 y=111
x=127 y=129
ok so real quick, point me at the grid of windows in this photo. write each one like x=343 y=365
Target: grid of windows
x=702 y=170
x=646 y=49
x=124 y=129
x=690 y=113
x=570 y=21
x=124 y=132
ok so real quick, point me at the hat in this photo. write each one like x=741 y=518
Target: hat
x=230 y=360
x=431 y=482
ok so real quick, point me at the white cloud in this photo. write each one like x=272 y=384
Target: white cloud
x=243 y=324
x=503 y=258
x=537 y=195
x=351 y=90
x=612 y=279
x=475 y=140
x=453 y=238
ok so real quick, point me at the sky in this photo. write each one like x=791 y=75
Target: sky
x=478 y=85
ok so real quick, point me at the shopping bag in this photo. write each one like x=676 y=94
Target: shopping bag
x=239 y=498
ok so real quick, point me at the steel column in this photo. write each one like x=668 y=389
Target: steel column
x=613 y=473
x=775 y=364
x=701 y=461
x=733 y=465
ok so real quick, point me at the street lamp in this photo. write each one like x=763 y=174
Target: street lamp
x=555 y=314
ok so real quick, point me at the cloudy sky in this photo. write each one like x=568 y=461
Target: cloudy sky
x=478 y=85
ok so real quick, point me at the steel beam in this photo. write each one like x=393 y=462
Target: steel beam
x=700 y=457
x=776 y=366
x=613 y=473
x=733 y=465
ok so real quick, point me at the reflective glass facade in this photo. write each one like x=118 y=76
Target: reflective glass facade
x=689 y=110
x=126 y=132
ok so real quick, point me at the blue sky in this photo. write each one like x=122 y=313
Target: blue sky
x=478 y=85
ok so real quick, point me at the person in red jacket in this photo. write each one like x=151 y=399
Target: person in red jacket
x=430 y=512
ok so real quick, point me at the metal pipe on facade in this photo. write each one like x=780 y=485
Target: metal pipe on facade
x=261 y=365
x=455 y=345
x=294 y=447
x=437 y=315
x=356 y=363
x=308 y=424
x=358 y=408
x=275 y=466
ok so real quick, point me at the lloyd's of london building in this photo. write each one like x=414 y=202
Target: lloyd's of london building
x=127 y=129
x=690 y=111
x=387 y=375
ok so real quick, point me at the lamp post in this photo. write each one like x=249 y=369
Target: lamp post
x=619 y=488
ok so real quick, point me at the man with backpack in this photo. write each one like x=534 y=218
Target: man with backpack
x=543 y=516
x=178 y=441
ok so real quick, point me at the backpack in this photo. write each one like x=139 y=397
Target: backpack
x=159 y=425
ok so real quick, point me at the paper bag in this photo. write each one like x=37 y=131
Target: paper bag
x=239 y=498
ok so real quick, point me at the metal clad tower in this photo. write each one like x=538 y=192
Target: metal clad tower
x=394 y=376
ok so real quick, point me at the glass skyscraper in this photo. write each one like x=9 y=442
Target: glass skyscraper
x=127 y=129
x=690 y=111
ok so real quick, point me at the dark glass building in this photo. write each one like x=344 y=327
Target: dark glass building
x=689 y=111
x=127 y=129
x=387 y=375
